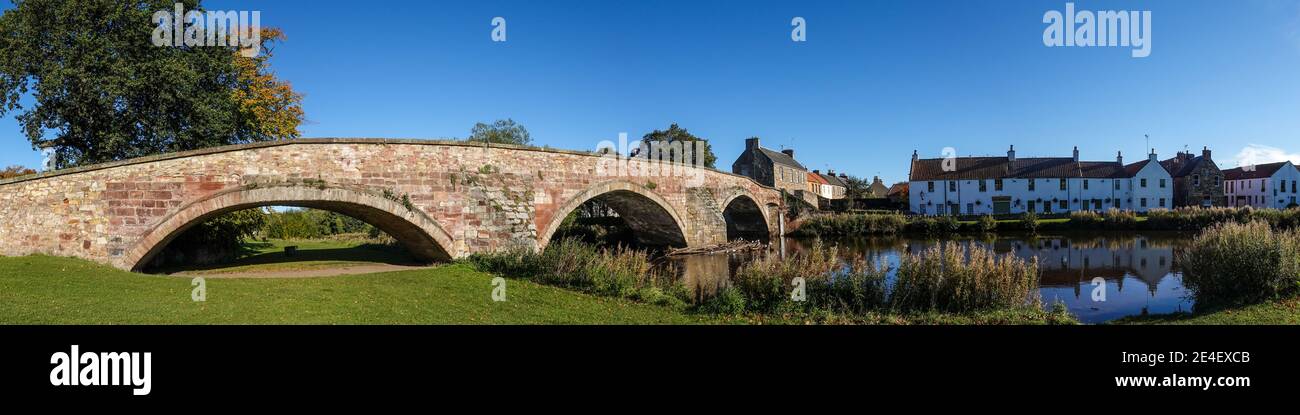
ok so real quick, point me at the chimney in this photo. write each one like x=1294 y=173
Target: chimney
x=751 y=143
x=1205 y=152
x=1011 y=154
x=844 y=176
x=1152 y=156
x=830 y=172
x=875 y=179
x=817 y=171
x=914 y=156
x=789 y=152
x=1076 y=154
x=1119 y=157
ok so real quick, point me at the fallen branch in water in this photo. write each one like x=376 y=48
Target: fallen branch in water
x=735 y=246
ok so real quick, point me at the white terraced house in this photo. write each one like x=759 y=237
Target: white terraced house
x=1271 y=185
x=1010 y=185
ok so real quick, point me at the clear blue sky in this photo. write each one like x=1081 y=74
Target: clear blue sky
x=875 y=79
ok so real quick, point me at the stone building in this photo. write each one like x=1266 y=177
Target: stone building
x=833 y=187
x=1197 y=180
x=772 y=168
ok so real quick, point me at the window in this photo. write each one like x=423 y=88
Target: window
x=1293 y=186
x=952 y=185
x=1062 y=184
x=1031 y=204
x=1263 y=185
x=1162 y=183
x=1282 y=185
x=1162 y=202
x=930 y=185
x=1144 y=182
x=1196 y=180
x=1085 y=184
x=1065 y=205
x=1218 y=181
x=997 y=185
x=970 y=208
x=1117 y=185
x=1144 y=202
x=1031 y=184
x=984 y=186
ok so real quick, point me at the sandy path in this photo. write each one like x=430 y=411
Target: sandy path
x=308 y=273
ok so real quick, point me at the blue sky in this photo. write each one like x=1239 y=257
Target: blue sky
x=873 y=81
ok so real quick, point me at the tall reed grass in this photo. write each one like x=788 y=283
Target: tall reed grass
x=1234 y=264
x=570 y=263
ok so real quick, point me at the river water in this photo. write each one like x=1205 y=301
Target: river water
x=1138 y=271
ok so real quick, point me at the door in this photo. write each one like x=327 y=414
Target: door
x=1001 y=205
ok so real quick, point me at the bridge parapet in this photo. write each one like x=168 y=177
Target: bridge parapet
x=441 y=199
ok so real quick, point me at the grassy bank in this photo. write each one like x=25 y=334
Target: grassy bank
x=1181 y=219
x=1284 y=311
x=52 y=290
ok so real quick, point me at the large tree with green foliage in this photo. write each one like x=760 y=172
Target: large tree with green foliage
x=501 y=132
x=675 y=133
x=102 y=91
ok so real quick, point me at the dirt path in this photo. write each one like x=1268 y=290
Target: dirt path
x=307 y=273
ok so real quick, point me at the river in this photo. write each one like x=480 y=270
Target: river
x=1138 y=270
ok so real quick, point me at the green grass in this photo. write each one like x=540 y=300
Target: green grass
x=1286 y=311
x=54 y=290
x=269 y=256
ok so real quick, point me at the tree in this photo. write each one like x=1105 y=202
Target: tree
x=857 y=187
x=675 y=133
x=501 y=132
x=15 y=171
x=269 y=108
x=102 y=91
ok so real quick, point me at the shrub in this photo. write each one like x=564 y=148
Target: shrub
x=1029 y=220
x=951 y=278
x=986 y=223
x=728 y=300
x=1233 y=264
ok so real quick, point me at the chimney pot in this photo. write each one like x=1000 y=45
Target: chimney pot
x=751 y=143
x=1205 y=152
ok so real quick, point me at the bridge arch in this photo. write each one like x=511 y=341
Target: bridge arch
x=419 y=234
x=745 y=218
x=652 y=219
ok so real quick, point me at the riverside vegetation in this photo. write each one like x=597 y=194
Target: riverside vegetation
x=1181 y=219
x=948 y=284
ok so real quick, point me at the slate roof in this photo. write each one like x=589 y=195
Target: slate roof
x=1261 y=171
x=781 y=158
x=1029 y=167
x=834 y=181
x=1181 y=168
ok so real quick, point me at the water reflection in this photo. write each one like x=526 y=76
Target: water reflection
x=1138 y=270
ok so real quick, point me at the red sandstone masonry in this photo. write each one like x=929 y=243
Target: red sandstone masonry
x=462 y=198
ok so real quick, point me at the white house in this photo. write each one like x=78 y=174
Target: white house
x=1010 y=185
x=1271 y=185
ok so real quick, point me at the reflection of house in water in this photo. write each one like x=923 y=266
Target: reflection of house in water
x=1067 y=263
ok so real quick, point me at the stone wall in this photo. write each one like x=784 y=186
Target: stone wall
x=443 y=199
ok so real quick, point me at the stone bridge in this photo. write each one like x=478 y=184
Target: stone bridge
x=439 y=199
